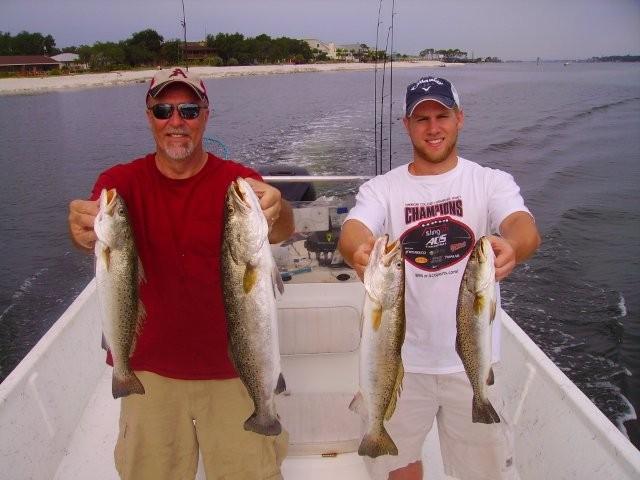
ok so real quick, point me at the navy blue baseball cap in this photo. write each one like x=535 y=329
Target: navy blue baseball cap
x=430 y=88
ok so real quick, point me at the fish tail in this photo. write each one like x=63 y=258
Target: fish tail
x=374 y=444
x=263 y=424
x=483 y=412
x=123 y=385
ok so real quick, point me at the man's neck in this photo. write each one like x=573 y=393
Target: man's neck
x=420 y=166
x=181 y=169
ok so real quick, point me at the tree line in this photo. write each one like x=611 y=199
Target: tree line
x=148 y=48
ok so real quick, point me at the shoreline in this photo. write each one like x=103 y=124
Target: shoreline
x=33 y=85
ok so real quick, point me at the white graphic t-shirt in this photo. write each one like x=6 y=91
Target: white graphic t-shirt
x=438 y=219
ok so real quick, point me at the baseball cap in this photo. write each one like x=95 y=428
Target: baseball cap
x=177 y=75
x=430 y=88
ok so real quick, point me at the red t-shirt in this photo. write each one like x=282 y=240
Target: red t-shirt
x=178 y=228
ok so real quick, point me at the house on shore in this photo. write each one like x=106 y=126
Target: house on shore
x=29 y=64
x=327 y=48
x=70 y=61
x=195 y=51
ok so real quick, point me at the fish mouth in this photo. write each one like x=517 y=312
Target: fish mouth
x=390 y=251
x=108 y=201
x=483 y=254
x=239 y=196
x=383 y=251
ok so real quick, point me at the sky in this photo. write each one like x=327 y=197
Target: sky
x=508 y=29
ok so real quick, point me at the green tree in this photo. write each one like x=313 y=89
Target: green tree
x=171 y=52
x=25 y=43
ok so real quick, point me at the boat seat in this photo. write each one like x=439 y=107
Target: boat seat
x=319 y=423
x=324 y=340
x=305 y=331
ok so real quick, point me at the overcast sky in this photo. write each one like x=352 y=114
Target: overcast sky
x=509 y=29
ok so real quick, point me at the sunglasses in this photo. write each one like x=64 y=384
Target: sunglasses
x=188 y=111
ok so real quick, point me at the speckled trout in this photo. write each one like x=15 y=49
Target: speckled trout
x=475 y=313
x=118 y=274
x=250 y=280
x=383 y=329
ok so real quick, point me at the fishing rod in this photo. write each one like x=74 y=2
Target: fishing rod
x=393 y=12
x=184 y=30
x=384 y=74
x=375 y=93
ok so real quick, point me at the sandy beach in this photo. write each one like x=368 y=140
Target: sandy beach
x=30 y=85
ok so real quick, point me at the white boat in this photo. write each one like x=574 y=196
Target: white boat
x=59 y=421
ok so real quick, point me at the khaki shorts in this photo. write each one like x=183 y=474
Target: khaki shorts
x=162 y=431
x=470 y=451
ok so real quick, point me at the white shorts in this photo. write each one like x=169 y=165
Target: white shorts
x=470 y=451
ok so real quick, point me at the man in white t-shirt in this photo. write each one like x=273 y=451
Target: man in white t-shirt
x=438 y=206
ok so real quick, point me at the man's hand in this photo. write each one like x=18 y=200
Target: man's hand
x=270 y=199
x=275 y=209
x=360 y=258
x=505 y=257
x=82 y=214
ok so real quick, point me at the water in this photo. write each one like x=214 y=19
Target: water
x=569 y=135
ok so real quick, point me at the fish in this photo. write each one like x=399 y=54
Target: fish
x=251 y=283
x=475 y=312
x=118 y=276
x=380 y=362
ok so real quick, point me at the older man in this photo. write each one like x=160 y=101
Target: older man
x=194 y=399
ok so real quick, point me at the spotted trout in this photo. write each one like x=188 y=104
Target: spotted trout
x=475 y=313
x=383 y=329
x=118 y=274
x=250 y=280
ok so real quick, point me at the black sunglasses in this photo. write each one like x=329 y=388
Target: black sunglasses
x=188 y=111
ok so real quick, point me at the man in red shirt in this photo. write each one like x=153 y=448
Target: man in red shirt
x=194 y=399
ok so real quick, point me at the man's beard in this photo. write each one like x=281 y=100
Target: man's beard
x=178 y=152
x=438 y=157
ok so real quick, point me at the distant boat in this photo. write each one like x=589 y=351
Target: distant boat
x=566 y=63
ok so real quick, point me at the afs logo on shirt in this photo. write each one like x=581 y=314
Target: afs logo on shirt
x=437 y=243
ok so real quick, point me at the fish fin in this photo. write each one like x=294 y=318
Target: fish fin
x=141 y=276
x=105 y=344
x=106 y=257
x=376 y=317
x=281 y=386
x=250 y=278
x=375 y=444
x=277 y=281
x=264 y=425
x=357 y=405
x=396 y=393
x=490 y=378
x=141 y=315
x=492 y=312
x=121 y=386
x=483 y=412
x=478 y=303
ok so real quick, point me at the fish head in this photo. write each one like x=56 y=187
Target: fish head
x=244 y=219
x=112 y=221
x=485 y=258
x=384 y=275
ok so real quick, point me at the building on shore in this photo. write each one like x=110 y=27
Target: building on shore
x=351 y=52
x=328 y=48
x=28 y=64
x=70 y=61
x=194 y=51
